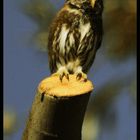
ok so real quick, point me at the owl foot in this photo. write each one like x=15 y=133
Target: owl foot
x=62 y=72
x=80 y=75
x=62 y=75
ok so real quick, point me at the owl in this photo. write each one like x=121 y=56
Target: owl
x=75 y=35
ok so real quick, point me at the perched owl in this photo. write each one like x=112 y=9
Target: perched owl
x=74 y=37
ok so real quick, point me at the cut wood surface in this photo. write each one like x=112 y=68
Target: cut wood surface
x=53 y=86
x=58 y=109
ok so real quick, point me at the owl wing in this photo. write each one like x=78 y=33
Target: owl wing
x=51 y=50
x=89 y=44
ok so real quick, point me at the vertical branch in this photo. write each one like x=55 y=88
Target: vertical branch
x=58 y=110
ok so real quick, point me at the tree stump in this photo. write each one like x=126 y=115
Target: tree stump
x=58 y=109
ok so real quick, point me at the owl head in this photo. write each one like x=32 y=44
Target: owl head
x=77 y=3
x=97 y=5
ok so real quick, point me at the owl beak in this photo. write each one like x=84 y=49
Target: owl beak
x=92 y=3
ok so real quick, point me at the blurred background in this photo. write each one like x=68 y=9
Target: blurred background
x=111 y=112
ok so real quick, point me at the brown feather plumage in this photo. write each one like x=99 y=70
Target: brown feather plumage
x=75 y=36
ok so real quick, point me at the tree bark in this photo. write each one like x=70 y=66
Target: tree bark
x=58 y=109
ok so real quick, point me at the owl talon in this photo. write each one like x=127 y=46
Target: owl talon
x=62 y=72
x=67 y=76
x=62 y=76
x=80 y=76
x=85 y=80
